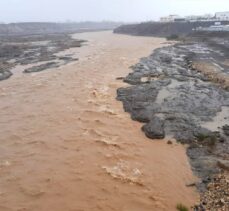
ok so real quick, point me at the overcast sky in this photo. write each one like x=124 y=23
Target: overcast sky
x=98 y=10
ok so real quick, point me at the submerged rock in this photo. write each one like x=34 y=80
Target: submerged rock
x=5 y=75
x=68 y=59
x=41 y=67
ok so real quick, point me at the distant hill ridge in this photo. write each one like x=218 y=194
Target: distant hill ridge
x=28 y=28
x=160 y=29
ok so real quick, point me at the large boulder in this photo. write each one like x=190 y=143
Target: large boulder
x=5 y=75
x=223 y=164
x=226 y=130
x=154 y=129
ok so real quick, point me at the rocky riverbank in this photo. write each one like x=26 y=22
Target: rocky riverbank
x=34 y=53
x=177 y=100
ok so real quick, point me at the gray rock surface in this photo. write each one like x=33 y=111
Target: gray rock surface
x=174 y=99
x=41 y=67
x=5 y=74
x=154 y=129
x=31 y=50
x=226 y=130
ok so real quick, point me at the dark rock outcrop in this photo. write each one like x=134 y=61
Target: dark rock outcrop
x=154 y=129
x=34 y=49
x=174 y=99
x=226 y=130
x=41 y=67
x=5 y=74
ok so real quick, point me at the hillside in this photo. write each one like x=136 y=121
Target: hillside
x=159 y=29
x=47 y=28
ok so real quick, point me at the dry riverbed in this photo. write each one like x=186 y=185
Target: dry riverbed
x=67 y=144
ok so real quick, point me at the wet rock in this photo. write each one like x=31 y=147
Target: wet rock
x=226 y=130
x=32 y=49
x=222 y=139
x=41 y=67
x=223 y=164
x=120 y=78
x=68 y=59
x=173 y=98
x=169 y=142
x=138 y=99
x=192 y=184
x=166 y=59
x=5 y=75
x=154 y=129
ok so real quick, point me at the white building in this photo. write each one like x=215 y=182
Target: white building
x=208 y=16
x=169 y=18
x=194 y=18
x=215 y=28
x=223 y=16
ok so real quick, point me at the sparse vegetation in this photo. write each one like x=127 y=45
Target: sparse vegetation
x=172 y=37
x=201 y=137
x=181 y=207
x=207 y=139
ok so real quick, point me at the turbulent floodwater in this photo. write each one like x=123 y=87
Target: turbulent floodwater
x=66 y=143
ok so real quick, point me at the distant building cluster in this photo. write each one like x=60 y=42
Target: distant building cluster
x=224 y=16
x=216 y=28
x=219 y=16
x=171 y=18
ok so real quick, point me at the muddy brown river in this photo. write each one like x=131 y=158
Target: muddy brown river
x=67 y=144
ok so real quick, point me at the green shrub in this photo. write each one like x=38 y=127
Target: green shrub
x=207 y=140
x=181 y=207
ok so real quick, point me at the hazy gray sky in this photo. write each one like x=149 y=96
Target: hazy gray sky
x=97 y=10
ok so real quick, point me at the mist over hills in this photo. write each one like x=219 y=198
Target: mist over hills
x=29 y=28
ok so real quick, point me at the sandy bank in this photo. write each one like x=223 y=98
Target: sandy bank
x=66 y=143
x=213 y=73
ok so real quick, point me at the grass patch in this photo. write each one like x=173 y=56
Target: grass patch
x=181 y=207
x=207 y=140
